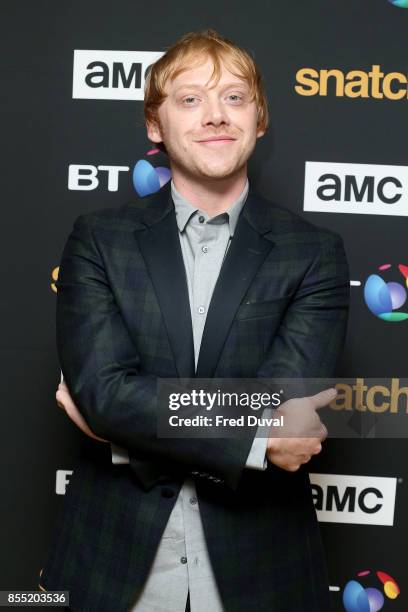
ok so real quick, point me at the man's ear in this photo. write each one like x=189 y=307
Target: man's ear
x=153 y=131
x=260 y=133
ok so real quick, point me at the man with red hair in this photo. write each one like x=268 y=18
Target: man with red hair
x=204 y=279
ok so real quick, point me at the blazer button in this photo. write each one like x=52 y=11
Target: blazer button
x=167 y=492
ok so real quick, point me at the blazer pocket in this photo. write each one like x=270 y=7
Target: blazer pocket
x=257 y=310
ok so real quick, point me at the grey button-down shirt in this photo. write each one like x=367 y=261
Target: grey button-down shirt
x=182 y=562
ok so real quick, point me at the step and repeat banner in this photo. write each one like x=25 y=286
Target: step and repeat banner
x=74 y=140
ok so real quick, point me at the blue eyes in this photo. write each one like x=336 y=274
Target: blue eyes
x=190 y=100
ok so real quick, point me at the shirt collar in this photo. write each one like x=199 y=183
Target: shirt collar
x=185 y=210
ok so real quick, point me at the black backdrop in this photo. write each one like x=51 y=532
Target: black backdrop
x=45 y=130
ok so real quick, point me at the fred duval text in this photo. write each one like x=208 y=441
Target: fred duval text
x=249 y=420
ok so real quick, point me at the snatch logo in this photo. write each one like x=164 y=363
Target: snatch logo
x=391 y=396
x=374 y=83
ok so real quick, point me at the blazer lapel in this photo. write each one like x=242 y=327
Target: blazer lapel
x=248 y=249
x=160 y=247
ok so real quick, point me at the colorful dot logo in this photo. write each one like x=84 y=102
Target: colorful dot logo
x=357 y=598
x=400 y=3
x=385 y=298
x=148 y=179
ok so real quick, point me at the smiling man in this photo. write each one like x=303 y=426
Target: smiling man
x=209 y=121
x=207 y=279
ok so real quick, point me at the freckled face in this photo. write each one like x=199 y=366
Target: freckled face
x=209 y=131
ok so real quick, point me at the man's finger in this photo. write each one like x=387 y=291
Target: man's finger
x=322 y=399
x=324 y=433
x=63 y=386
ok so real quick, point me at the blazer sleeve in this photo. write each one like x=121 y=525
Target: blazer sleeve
x=102 y=368
x=256 y=459
x=311 y=336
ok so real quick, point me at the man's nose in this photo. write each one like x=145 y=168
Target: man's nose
x=214 y=113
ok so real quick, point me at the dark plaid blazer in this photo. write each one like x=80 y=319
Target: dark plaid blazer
x=279 y=309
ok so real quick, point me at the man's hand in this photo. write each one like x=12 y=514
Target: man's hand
x=65 y=401
x=303 y=431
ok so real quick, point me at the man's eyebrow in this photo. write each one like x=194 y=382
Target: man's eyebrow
x=200 y=86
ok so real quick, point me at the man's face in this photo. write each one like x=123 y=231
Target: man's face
x=209 y=131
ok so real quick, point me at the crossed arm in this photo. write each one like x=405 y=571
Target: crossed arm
x=111 y=399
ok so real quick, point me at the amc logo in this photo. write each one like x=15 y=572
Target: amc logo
x=367 y=500
x=364 y=189
x=111 y=75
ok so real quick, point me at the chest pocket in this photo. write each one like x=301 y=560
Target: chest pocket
x=258 y=310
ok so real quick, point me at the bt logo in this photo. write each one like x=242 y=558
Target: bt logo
x=148 y=179
x=384 y=298
x=357 y=598
x=400 y=3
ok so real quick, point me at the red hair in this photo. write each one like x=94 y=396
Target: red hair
x=190 y=50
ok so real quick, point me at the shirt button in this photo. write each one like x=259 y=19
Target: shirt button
x=201 y=310
x=201 y=219
x=183 y=560
x=205 y=249
x=193 y=500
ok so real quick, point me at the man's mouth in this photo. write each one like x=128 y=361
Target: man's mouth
x=222 y=139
